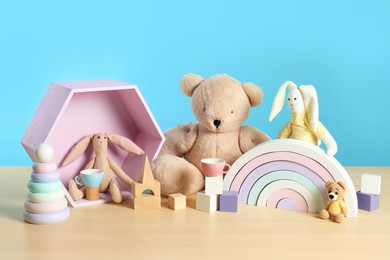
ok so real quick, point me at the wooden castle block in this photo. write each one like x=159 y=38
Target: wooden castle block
x=177 y=201
x=146 y=201
x=146 y=184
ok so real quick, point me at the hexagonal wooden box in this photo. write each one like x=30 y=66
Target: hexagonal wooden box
x=72 y=110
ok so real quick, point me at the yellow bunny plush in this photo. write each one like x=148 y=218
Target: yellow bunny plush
x=304 y=124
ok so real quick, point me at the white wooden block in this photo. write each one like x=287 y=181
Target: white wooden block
x=214 y=185
x=371 y=183
x=207 y=203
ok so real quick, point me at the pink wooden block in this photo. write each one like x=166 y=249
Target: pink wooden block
x=71 y=110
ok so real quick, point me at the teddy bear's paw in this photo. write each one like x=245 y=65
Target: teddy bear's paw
x=339 y=218
x=177 y=175
x=324 y=214
x=74 y=191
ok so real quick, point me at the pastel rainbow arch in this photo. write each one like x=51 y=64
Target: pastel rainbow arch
x=288 y=173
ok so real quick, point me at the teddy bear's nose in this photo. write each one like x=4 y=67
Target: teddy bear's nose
x=217 y=122
x=331 y=196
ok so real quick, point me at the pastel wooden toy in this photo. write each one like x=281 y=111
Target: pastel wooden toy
x=45 y=177
x=42 y=187
x=228 y=201
x=46 y=207
x=43 y=153
x=177 y=201
x=367 y=201
x=213 y=167
x=371 y=183
x=146 y=201
x=213 y=185
x=42 y=219
x=146 y=184
x=207 y=203
x=70 y=111
x=44 y=167
x=92 y=179
x=278 y=165
x=46 y=197
x=146 y=181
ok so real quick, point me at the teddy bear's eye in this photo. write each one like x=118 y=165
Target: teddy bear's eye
x=288 y=99
x=336 y=193
x=231 y=112
x=98 y=137
x=330 y=192
x=105 y=137
x=204 y=109
x=295 y=98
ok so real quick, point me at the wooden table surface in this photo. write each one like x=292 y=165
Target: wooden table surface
x=112 y=231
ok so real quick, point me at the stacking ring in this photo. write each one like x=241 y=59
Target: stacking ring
x=46 y=207
x=45 y=197
x=42 y=187
x=44 y=167
x=45 y=177
x=42 y=219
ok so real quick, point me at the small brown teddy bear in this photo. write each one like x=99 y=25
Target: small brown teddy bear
x=335 y=207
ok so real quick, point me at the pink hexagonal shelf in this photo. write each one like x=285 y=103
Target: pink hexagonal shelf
x=72 y=110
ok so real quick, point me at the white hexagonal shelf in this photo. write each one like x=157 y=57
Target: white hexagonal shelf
x=71 y=110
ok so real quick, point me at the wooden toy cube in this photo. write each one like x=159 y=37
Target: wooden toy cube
x=228 y=201
x=214 y=185
x=146 y=201
x=367 y=201
x=71 y=110
x=371 y=183
x=177 y=201
x=207 y=203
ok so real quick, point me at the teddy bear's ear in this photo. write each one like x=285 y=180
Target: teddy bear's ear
x=254 y=93
x=189 y=83
x=328 y=183
x=342 y=184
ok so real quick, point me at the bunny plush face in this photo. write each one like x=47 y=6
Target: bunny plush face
x=100 y=142
x=295 y=101
x=221 y=103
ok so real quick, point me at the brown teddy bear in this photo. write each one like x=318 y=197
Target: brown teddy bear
x=221 y=104
x=335 y=207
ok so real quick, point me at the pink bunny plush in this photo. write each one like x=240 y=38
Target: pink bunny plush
x=103 y=162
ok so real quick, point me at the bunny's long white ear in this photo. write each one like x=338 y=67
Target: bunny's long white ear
x=280 y=97
x=310 y=99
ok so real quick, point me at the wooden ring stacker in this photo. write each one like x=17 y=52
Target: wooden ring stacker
x=44 y=167
x=46 y=207
x=50 y=218
x=42 y=187
x=45 y=177
x=46 y=196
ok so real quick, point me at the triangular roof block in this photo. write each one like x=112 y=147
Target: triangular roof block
x=146 y=176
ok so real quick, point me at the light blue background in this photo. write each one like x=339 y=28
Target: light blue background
x=341 y=47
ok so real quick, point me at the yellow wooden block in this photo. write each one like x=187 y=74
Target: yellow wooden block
x=146 y=201
x=177 y=201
